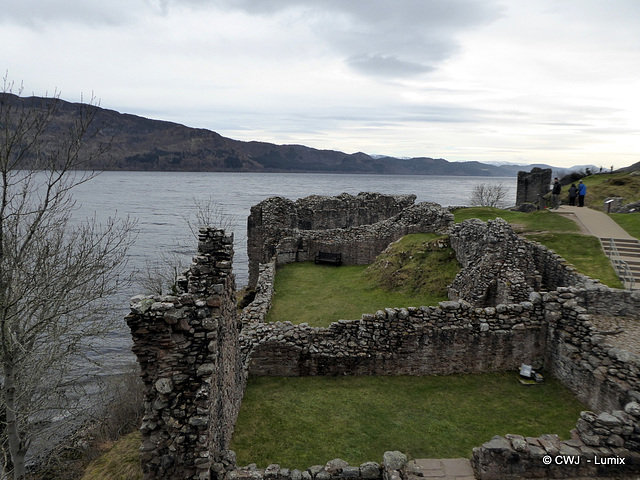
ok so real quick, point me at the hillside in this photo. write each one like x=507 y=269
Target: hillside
x=139 y=143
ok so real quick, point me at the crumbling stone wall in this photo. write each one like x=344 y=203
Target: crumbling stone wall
x=188 y=350
x=394 y=466
x=450 y=338
x=498 y=266
x=580 y=355
x=603 y=446
x=257 y=310
x=358 y=227
x=532 y=185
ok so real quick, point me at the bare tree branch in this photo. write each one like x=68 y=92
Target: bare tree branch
x=56 y=273
x=486 y=195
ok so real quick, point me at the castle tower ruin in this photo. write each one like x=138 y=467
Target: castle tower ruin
x=188 y=350
x=532 y=185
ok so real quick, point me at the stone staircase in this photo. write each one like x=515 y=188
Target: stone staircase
x=624 y=254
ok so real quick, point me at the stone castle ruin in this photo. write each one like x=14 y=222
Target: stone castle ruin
x=359 y=227
x=513 y=302
x=533 y=185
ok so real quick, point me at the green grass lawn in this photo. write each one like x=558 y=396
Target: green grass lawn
x=539 y=221
x=630 y=222
x=322 y=294
x=304 y=421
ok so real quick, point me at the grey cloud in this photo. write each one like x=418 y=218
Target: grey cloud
x=380 y=37
x=37 y=13
x=387 y=66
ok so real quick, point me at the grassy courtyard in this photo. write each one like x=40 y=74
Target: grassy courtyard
x=299 y=422
x=412 y=272
x=321 y=294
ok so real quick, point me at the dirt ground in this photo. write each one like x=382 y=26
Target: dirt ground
x=621 y=332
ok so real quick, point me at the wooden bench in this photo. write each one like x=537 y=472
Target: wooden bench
x=332 y=258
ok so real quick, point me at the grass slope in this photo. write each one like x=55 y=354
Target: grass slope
x=299 y=422
x=600 y=187
x=121 y=462
x=630 y=222
x=540 y=221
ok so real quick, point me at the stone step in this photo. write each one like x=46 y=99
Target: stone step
x=626 y=246
x=444 y=469
x=630 y=241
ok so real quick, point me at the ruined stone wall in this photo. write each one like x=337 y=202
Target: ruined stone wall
x=450 y=338
x=257 y=310
x=532 y=185
x=606 y=441
x=581 y=355
x=359 y=227
x=188 y=350
x=498 y=266
x=603 y=446
x=361 y=245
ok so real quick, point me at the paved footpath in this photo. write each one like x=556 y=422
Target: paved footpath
x=597 y=223
x=622 y=248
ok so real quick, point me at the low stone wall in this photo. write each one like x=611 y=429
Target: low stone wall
x=450 y=338
x=393 y=467
x=188 y=350
x=604 y=445
x=257 y=310
x=357 y=227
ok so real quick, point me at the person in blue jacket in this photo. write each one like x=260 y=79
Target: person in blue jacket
x=582 y=191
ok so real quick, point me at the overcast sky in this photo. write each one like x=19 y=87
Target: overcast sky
x=523 y=81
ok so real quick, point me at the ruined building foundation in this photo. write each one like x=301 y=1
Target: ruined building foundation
x=195 y=357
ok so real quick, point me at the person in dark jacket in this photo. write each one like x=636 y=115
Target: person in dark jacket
x=573 y=193
x=582 y=191
x=555 y=194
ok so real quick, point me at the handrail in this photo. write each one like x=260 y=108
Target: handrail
x=622 y=268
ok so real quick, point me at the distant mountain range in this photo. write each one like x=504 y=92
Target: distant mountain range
x=139 y=143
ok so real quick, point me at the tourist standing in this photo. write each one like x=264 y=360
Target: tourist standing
x=555 y=194
x=573 y=193
x=582 y=191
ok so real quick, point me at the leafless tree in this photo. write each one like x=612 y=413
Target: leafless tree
x=208 y=213
x=56 y=270
x=487 y=195
x=161 y=275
